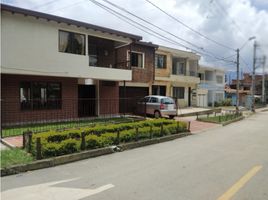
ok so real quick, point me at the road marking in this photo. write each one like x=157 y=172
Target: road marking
x=52 y=190
x=240 y=183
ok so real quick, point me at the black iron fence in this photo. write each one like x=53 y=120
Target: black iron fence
x=42 y=115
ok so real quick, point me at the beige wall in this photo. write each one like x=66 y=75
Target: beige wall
x=165 y=77
x=30 y=46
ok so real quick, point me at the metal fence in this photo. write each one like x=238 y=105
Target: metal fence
x=42 y=115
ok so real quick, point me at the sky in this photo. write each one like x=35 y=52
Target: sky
x=229 y=23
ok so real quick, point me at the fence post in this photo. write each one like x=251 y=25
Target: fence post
x=151 y=132
x=38 y=149
x=161 y=129
x=137 y=134
x=189 y=125
x=83 y=141
x=197 y=116
x=24 y=139
x=118 y=137
x=145 y=105
x=29 y=145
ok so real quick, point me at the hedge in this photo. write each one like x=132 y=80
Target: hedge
x=56 y=143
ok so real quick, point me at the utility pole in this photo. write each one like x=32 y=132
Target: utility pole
x=263 y=79
x=253 y=78
x=237 y=81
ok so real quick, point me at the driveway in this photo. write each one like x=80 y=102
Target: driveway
x=221 y=163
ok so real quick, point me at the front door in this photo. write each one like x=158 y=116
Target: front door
x=86 y=100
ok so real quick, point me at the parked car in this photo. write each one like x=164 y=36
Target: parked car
x=158 y=106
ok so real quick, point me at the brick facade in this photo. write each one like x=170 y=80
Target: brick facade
x=140 y=75
x=109 y=97
x=10 y=100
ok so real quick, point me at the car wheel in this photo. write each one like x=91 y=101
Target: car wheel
x=157 y=114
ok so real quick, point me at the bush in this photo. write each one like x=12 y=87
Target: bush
x=226 y=102
x=57 y=149
x=56 y=143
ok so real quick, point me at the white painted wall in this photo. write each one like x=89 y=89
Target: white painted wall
x=30 y=46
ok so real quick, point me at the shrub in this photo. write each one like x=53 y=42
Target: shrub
x=56 y=149
x=55 y=143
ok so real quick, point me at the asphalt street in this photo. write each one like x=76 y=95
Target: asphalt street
x=221 y=163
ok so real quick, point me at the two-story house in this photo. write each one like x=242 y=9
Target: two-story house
x=140 y=59
x=55 y=68
x=212 y=79
x=176 y=75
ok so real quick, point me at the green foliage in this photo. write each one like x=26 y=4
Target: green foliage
x=56 y=143
x=16 y=156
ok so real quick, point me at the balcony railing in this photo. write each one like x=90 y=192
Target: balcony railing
x=117 y=65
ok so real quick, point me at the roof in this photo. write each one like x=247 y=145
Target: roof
x=58 y=19
x=148 y=44
x=211 y=68
x=179 y=53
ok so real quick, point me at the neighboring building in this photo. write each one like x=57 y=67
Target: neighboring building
x=244 y=96
x=176 y=75
x=55 y=68
x=140 y=58
x=212 y=79
x=245 y=85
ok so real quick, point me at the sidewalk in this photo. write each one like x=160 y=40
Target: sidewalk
x=198 y=126
x=15 y=141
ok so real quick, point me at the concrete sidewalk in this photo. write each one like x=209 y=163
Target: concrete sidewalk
x=192 y=110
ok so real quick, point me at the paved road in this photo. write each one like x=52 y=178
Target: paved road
x=202 y=167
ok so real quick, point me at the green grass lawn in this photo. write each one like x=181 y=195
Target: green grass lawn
x=15 y=131
x=219 y=119
x=16 y=156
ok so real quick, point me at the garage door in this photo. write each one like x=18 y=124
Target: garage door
x=133 y=94
x=202 y=100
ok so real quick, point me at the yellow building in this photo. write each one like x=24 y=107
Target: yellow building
x=176 y=75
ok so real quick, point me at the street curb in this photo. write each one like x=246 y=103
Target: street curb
x=224 y=123
x=51 y=162
x=7 y=143
x=232 y=121
x=142 y=143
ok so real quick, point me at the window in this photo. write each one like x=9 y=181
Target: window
x=153 y=100
x=93 y=54
x=136 y=59
x=219 y=97
x=70 y=42
x=178 y=92
x=25 y=95
x=219 y=79
x=40 y=95
x=201 y=76
x=159 y=90
x=178 y=66
x=160 y=61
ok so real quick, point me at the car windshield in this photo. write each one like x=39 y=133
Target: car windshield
x=167 y=101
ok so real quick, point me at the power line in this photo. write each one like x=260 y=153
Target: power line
x=193 y=30
x=132 y=24
x=151 y=24
x=73 y=4
x=224 y=11
x=42 y=5
x=147 y=28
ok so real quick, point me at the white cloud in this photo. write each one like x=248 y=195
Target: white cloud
x=231 y=26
